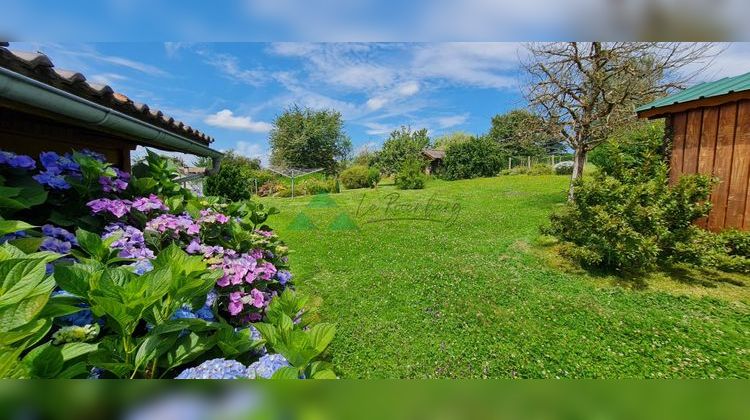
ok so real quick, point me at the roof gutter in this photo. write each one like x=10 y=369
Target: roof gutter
x=26 y=90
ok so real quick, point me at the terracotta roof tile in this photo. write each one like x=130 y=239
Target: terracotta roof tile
x=39 y=67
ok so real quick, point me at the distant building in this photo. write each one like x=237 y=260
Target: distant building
x=434 y=158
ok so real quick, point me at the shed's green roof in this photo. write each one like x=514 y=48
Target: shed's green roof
x=704 y=90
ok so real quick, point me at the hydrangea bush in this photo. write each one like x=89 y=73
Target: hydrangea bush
x=142 y=279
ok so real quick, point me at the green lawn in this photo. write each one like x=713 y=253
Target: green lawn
x=485 y=296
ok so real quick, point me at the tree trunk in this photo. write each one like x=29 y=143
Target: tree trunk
x=579 y=160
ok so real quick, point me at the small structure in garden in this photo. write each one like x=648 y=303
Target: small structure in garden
x=43 y=108
x=434 y=158
x=708 y=126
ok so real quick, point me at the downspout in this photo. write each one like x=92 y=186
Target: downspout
x=23 y=89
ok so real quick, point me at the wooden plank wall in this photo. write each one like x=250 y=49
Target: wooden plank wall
x=716 y=141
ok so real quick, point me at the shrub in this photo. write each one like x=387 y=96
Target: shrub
x=627 y=216
x=313 y=186
x=360 y=177
x=411 y=176
x=479 y=157
x=564 y=168
x=541 y=169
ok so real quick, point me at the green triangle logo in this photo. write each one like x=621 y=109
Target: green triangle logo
x=302 y=222
x=343 y=222
x=321 y=201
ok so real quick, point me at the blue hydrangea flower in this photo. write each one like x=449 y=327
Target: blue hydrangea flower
x=183 y=313
x=55 y=245
x=52 y=179
x=283 y=276
x=266 y=366
x=16 y=161
x=205 y=313
x=12 y=236
x=215 y=369
x=141 y=267
x=211 y=298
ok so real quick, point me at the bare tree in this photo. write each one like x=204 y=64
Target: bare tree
x=587 y=90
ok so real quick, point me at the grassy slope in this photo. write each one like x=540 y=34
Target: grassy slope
x=483 y=297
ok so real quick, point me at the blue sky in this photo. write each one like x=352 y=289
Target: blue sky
x=233 y=91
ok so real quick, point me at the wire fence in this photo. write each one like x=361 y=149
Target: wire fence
x=530 y=161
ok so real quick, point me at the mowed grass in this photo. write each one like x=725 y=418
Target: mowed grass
x=485 y=296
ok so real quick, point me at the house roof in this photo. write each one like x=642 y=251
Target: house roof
x=434 y=153
x=38 y=66
x=721 y=87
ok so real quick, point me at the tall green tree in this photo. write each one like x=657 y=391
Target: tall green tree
x=402 y=145
x=522 y=133
x=446 y=140
x=307 y=138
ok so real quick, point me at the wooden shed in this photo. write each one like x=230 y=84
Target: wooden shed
x=709 y=128
x=44 y=108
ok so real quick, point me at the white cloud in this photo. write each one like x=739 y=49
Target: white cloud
x=479 y=64
x=378 y=129
x=229 y=65
x=106 y=78
x=404 y=90
x=252 y=150
x=451 y=120
x=226 y=119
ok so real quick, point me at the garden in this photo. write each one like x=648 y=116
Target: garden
x=108 y=275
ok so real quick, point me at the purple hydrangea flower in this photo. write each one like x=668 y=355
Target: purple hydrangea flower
x=16 y=161
x=193 y=247
x=131 y=241
x=211 y=216
x=175 y=224
x=118 y=208
x=55 y=245
x=59 y=233
x=96 y=155
x=266 y=366
x=146 y=204
x=215 y=369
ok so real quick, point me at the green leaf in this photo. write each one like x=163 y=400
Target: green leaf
x=29 y=333
x=92 y=244
x=321 y=335
x=268 y=332
x=11 y=226
x=188 y=348
x=15 y=315
x=47 y=363
x=153 y=347
x=27 y=245
x=18 y=277
x=324 y=374
x=286 y=372
x=8 y=251
x=74 y=278
x=75 y=370
x=70 y=351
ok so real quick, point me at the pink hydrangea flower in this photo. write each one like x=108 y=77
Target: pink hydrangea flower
x=211 y=216
x=235 y=303
x=258 y=299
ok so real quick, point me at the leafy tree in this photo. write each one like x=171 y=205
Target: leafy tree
x=589 y=89
x=307 y=138
x=480 y=156
x=403 y=144
x=521 y=133
x=365 y=157
x=234 y=179
x=446 y=140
